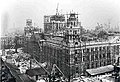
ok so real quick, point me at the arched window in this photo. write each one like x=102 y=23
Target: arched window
x=76 y=43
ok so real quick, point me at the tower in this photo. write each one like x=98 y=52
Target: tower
x=29 y=22
x=72 y=20
x=28 y=30
x=57 y=12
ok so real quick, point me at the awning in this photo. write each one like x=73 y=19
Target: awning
x=35 y=71
x=100 y=70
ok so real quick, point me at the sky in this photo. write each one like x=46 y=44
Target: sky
x=15 y=12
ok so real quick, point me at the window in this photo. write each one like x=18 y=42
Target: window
x=83 y=50
x=76 y=43
x=75 y=58
x=96 y=49
x=104 y=63
x=92 y=66
x=100 y=56
x=96 y=64
x=100 y=64
x=87 y=49
x=100 y=48
x=108 y=55
x=75 y=31
x=84 y=58
x=103 y=55
x=70 y=37
x=92 y=57
x=103 y=48
x=74 y=23
x=87 y=66
x=87 y=57
x=75 y=51
x=108 y=48
x=108 y=62
x=77 y=70
x=91 y=49
x=96 y=56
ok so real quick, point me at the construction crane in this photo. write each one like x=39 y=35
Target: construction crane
x=52 y=75
x=42 y=66
x=53 y=69
x=57 y=12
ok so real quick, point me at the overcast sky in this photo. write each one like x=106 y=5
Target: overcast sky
x=15 y=12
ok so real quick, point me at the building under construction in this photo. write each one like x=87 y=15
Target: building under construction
x=73 y=55
x=62 y=44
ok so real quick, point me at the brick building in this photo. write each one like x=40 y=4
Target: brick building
x=73 y=55
x=6 y=41
x=76 y=59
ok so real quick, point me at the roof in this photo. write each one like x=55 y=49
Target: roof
x=13 y=68
x=100 y=70
x=35 y=71
x=18 y=76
